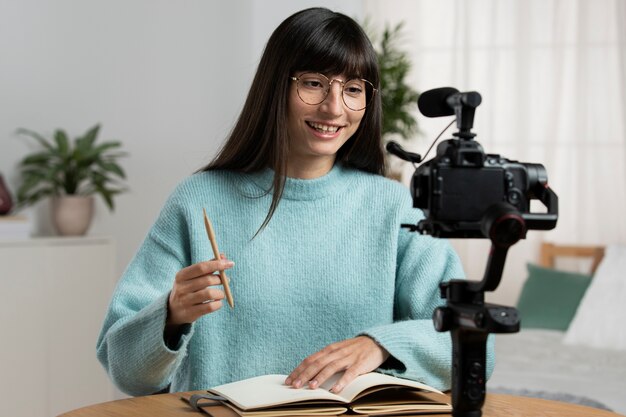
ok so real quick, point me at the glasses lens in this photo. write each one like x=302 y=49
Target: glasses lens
x=312 y=88
x=356 y=94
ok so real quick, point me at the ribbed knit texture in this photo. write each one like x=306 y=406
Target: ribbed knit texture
x=331 y=264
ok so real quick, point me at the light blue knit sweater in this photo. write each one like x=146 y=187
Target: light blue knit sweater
x=332 y=263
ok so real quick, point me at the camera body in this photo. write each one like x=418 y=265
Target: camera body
x=463 y=191
x=458 y=186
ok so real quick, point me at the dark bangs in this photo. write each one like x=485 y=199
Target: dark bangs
x=337 y=45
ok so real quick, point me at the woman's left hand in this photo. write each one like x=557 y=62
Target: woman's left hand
x=355 y=357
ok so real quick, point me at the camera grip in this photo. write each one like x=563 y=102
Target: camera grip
x=469 y=351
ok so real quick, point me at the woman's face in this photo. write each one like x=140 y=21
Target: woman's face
x=317 y=132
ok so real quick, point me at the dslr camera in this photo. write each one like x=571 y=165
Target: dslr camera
x=462 y=185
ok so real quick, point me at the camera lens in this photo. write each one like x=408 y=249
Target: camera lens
x=536 y=174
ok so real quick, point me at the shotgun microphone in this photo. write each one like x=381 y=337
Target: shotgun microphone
x=443 y=101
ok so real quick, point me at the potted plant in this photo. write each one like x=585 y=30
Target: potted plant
x=6 y=203
x=71 y=173
x=399 y=99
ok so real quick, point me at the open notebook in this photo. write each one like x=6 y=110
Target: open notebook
x=371 y=394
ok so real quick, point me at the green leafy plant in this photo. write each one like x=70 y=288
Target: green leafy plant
x=62 y=167
x=399 y=99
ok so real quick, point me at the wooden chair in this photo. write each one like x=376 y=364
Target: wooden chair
x=550 y=251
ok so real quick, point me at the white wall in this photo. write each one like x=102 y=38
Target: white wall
x=166 y=78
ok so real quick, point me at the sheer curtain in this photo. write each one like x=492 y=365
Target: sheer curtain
x=552 y=74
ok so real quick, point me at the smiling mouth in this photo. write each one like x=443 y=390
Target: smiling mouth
x=323 y=128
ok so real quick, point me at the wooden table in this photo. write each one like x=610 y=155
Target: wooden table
x=497 y=405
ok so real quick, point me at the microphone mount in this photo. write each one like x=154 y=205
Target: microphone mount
x=464 y=105
x=448 y=101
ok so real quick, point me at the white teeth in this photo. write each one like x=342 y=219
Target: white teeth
x=324 y=128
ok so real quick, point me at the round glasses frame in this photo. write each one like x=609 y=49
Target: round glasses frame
x=330 y=84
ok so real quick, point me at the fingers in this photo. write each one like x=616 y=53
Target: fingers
x=305 y=373
x=348 y=376
x=203 y=268
x=192 y=296
x=199 y=276
x=205 y=295
x=200 y=310
x=184 y=307
x=353 y=356
x=317 y=368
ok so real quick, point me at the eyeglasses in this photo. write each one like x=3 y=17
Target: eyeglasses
x=313 y=88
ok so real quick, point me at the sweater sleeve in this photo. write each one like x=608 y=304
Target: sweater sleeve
x=417 y=350
x=131 y=346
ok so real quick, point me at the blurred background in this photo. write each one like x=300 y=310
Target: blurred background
x=168 y=80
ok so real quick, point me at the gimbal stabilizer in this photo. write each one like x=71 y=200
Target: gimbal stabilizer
x=466 y=193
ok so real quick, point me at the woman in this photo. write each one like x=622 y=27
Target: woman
x=325 y=280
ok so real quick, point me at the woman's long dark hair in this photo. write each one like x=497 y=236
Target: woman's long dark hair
x=318 y=40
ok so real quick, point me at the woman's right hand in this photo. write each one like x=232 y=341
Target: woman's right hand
x=194 y=294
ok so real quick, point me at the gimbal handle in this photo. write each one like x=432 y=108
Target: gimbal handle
x=470 y=320
x=543 y=221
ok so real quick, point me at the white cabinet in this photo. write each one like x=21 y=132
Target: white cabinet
x=54 y=293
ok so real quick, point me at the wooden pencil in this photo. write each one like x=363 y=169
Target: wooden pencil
x=216 y=252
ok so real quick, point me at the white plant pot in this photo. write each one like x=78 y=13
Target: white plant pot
x=72 y=214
